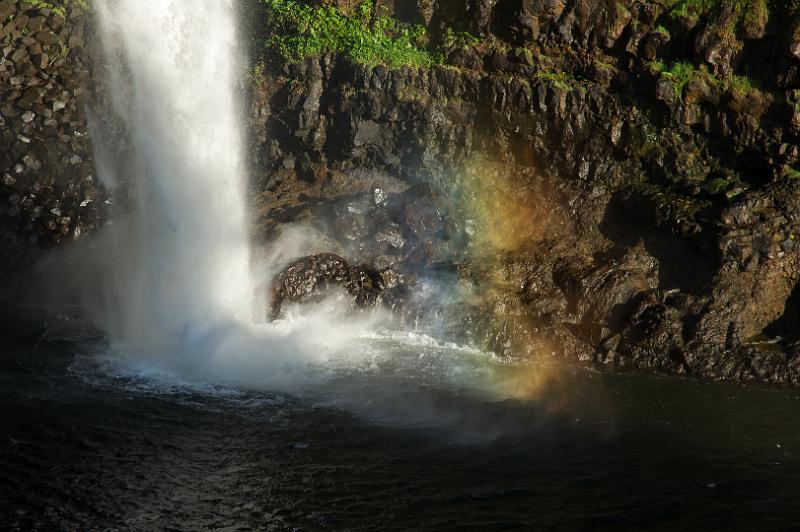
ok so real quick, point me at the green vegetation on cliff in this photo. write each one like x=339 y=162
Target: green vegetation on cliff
x=681 y=73
x=60 y=7
x=299 y=31
x=730 y=20
x=690 y=9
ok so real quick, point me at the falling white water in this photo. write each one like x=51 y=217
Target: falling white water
x=171 y=281
x=184 y=256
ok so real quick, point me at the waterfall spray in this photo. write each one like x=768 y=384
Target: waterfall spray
x=182 y=260
x=170 y=280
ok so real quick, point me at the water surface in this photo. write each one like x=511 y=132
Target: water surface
x=411 y=442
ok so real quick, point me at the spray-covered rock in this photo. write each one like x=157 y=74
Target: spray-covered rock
x=310 y=278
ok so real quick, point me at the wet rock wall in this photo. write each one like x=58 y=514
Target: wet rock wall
x=646 y=156
x=49 y=194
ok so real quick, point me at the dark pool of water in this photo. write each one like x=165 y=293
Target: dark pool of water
x=613 y=452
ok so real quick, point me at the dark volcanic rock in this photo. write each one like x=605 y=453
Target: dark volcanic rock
x=47 y=183
x=592 y=202
x=310 y=277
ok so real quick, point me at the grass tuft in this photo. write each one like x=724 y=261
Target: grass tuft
x=680 y=73
x=562 y=80
x=299 y=31
x=662 y=30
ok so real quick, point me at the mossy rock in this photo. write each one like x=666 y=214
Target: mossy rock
x=667 y=206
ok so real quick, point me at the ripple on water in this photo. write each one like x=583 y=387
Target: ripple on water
x=98 y=441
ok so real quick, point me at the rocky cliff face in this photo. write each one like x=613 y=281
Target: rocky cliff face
x=617 y=180
x=614 y=182
x=48 y=186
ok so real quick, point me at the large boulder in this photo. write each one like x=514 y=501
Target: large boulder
x=311 y=277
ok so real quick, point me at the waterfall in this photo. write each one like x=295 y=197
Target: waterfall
x=169 y=279
x=181 y=259
x=173 y=267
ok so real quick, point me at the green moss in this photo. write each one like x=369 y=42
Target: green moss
x=44 y=4
x=60 y=7
x=299 y=31
x=793 y=173
x=662 y=30
x=794 y=14
x=793 y=100
x=671 y=205
x=603 y=61
x=520 y=81
x=739 y=87
x=528 y=55
x=716 y=186
x=459 y=39
x=490 y=43
x=560 y=79
x=604 y=64
x=730 y=20
x=682 y=72
x=730 y=185
x=756 y=16
x=690 y=9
